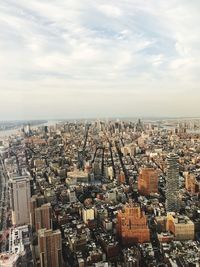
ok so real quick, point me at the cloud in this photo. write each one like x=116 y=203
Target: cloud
x=110 y=10
x=76 y=48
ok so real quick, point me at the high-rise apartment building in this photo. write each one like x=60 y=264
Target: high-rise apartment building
x=148 y=181
x=43 y=217
x=20 y=199
x=50 y=248
x=172 y=184
x=132 y=225
x=35 y=202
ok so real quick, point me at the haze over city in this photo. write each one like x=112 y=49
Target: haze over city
x=74 y=59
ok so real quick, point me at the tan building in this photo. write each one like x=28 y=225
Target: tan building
x=20 y=199
x=165 y=237
x=77 y=176
x=191 y=184
x=50 y=248
x=181 y=226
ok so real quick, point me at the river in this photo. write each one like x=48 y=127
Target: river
x=7 y=133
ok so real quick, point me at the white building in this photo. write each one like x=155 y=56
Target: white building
x=88 y=214
x=108 y=172
x=18 y=239
x=72 y=195
x=111 y=195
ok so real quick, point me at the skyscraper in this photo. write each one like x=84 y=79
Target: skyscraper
x=43 y=217
x=20 y=199
x=50 y=248
x=36 y=201
x=172 y=184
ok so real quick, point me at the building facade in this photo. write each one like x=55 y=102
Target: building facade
x=132 y=225
x=43 y=217
x=148 y=181
x=172 y=184
x=35 y=202
x=50 y=248
x=88 y=214
x=181 y=226
x=20 y=199
x=192 y=185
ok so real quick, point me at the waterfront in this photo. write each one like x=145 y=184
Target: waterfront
x=17 y=130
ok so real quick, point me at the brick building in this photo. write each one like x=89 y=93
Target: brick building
x=132 y=225
x=148 y=181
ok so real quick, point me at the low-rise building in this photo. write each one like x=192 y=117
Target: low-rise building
x=181 y=226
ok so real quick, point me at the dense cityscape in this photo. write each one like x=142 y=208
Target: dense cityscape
x=101 y=193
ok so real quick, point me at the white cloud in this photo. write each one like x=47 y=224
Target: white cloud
x=110 y=10
x=69 y=47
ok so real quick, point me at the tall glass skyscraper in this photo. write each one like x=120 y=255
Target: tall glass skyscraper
x=172 y=184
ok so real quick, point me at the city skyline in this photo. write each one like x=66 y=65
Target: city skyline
x=105 y=193
x=99 y=59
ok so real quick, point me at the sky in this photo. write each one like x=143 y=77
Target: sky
x=99 y=58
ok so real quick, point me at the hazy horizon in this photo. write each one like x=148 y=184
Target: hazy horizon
x=143 y=118
x=87 y=59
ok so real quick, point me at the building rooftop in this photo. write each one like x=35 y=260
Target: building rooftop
x=8 y=259
x=18 y=238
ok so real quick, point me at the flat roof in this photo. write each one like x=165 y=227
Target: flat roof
x=17 y=239
x=8 y=259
